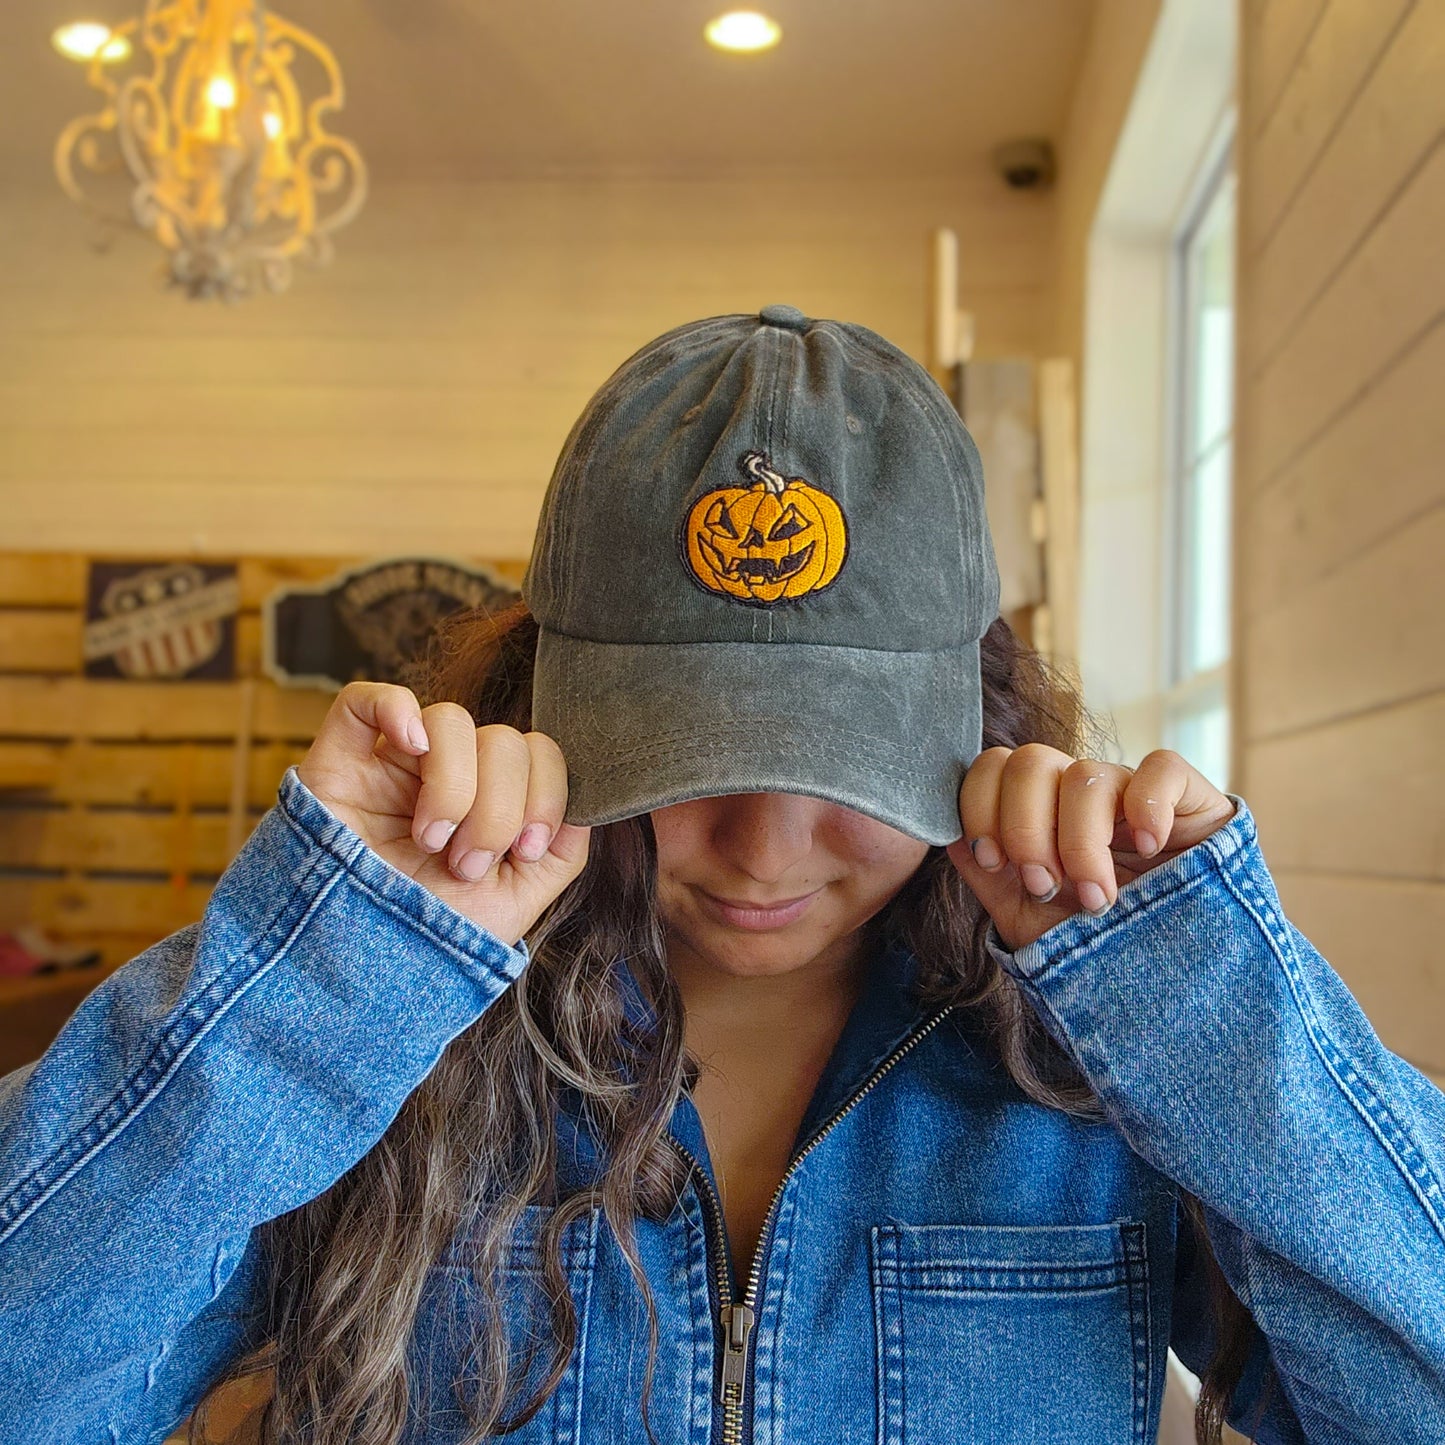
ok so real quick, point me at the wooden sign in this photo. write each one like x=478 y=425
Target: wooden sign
x=160 y=621
x=370 y=622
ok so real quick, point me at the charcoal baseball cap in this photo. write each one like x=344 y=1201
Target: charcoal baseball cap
x=763 y=564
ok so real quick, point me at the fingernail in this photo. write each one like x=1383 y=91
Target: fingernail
x=1145 y=843
x=474 y=865
x=986 y=854
x=436 y=835
x=1094 y=899
x=532 y=843
x=1039 y=881
x=417 y=733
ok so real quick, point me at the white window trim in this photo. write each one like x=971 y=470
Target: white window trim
x=1179 y=117
x=1188 y=695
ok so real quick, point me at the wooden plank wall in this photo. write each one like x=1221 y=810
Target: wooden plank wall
x=421 y=387
x=1340 y=700
x=122 y=801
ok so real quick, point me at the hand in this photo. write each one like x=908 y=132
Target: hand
x=472 y=814
x=1082 y=828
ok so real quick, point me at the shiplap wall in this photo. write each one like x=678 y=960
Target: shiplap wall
x=415 y=394
x=1340 y=688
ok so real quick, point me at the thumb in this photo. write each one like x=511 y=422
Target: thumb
x=540 y=882
x=569 y=849
x=1017 y=915
x=982 y=881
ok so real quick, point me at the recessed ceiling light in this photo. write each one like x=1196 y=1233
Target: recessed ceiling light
x=85 y=39
x=743 y=30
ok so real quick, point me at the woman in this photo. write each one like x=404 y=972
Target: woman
x=723 y=1001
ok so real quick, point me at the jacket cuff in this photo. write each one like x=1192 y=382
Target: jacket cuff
x=1082 y=933
x=391 y=889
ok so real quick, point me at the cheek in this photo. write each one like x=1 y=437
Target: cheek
x=680 y=832
x=877 y=851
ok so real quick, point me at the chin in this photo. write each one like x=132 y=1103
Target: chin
x=759 y=961
x=744 y=953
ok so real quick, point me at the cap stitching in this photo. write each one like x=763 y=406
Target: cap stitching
x=666 y=744
x=784 y=432
x=659 y=744
x=663 y=749
x=777 y=340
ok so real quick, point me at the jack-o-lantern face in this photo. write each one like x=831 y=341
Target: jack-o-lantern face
x=779 y=538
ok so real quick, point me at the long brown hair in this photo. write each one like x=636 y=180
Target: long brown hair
x=475 y=1144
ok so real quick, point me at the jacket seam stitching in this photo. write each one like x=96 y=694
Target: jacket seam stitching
x=1135 y=1247
x=1391 y=1134
x=170 y=1051
x=499 y=950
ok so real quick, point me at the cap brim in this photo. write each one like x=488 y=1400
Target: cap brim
x=888 y=734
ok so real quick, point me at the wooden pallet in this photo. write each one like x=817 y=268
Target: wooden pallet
x=122 y=802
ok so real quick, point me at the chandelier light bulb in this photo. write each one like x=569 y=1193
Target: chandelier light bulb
x=743 y=30
x=85 y=39
x=221 y=92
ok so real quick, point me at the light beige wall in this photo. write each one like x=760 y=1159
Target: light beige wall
x=1340 y=682
x=1119 y=37
x=415 y=394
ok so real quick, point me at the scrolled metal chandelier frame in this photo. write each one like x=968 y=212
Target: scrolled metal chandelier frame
x=227 y=157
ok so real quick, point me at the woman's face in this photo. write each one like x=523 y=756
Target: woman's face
x=726 y=864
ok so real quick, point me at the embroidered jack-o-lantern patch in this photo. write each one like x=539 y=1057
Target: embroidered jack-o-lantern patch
x=776 y=539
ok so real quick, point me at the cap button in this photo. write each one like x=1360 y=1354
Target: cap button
x=788 y=317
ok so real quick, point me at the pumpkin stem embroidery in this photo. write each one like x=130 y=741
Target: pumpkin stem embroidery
x=759 y=466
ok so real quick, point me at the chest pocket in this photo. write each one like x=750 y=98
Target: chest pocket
x=451 y=1311
x=1015 y=1335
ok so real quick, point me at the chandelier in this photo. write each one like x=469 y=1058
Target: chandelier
x=213 y=145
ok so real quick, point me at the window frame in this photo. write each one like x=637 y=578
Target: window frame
x=1187 y=697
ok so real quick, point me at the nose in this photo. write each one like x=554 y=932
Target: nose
x=765 y=835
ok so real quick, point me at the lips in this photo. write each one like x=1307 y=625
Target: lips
x=739 y=913
x=760 y=907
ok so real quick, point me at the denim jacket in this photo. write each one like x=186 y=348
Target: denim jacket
x=945 y=1261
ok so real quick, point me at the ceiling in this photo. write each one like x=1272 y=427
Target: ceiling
x=481 y=88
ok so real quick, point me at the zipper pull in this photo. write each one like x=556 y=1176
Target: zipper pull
x=737 y=1320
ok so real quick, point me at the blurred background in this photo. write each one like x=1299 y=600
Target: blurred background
x=1177 y=261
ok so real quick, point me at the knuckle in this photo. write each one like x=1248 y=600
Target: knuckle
x=1025 y=841
x=349 y=698
x=1034 y=752
x=1077 y=857
x=504 y=742
x=449 y=710
x=545 y=746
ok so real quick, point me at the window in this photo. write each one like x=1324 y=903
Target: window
x=1197 y=511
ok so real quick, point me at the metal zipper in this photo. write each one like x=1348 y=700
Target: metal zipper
x=737 y=1316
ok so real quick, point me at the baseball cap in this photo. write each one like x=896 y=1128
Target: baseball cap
x=763 y=564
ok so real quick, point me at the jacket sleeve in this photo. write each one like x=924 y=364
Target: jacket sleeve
x=227 y=1075
x=1234 y=1059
